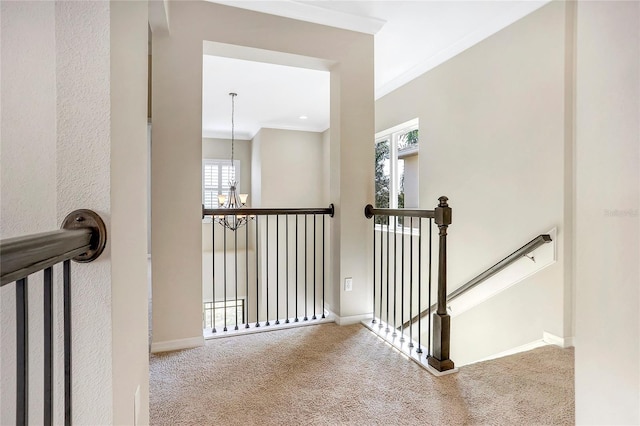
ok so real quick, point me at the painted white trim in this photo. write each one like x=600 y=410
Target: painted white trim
x=437 y=373
x=404 y=346
x=399 y=230
x=523 y=348
x=226 y=134
x=233 y=51
x=159 y=17
x=349 y=320
x=174 y=345
x=329 y=317
x=547 y=339
x=249 y=135
x=552 y=339
x=353 y=319
x=407 y=126
x=392 y=136
x=311 y=13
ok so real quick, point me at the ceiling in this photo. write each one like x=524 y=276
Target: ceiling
x=269 y=95
x=411 y=37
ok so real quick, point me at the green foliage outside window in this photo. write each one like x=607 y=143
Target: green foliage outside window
x=382 y=181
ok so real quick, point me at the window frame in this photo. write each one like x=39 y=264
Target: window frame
x=210 y=307
x=393 y=134
x=222 y=187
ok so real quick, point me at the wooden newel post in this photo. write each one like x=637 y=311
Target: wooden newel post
x=441 y=320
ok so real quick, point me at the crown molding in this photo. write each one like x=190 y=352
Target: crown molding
x=518 y=11
x=310 y=13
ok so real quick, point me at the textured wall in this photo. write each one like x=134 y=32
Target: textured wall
x=57 y=134
x=55 y=85
x=83 y=181
x=28 y=168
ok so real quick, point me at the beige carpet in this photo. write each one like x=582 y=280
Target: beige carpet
x=332 y=375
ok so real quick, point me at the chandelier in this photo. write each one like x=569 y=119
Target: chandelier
x=232 y=200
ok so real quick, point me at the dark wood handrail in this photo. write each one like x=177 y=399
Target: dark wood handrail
x=267 y=211
x=82 y=238
x=370 y=211
x=442 y=216
x=486 y=274
x=26 y=255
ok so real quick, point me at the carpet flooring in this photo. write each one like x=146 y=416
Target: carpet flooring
x=332 y=375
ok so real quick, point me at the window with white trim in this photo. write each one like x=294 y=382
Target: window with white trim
x=213 y=314
x=396 y=168
x=216 y=176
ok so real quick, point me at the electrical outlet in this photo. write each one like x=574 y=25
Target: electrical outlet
x=348 y=284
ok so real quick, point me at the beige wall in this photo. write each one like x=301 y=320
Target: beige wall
x=256 y=168
x=177 y=150
x=412 y=182
x=326 y=166
x=86 y=129
x=492 y=137
x=28 y=195
x=291 y=170
x=607 y=202
x=129 y=197
x=292 y=174
x=532 y=129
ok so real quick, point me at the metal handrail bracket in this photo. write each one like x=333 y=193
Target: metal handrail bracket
x=82 y=238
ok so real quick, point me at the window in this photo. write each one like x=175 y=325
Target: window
x=396 y=168
x=211 y=310
x=216 y=175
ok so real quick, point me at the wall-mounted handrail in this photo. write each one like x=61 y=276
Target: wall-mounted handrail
x=488 y=273
x=82 y=238
x=23 y=256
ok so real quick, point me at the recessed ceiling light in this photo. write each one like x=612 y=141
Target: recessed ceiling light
x=303 y=117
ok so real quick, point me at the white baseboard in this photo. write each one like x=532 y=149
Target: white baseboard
x=552 y=339
x=547 y=339
x=523 y=348
x=404 y=345
x=264 y=328
x=174 y=345
x=353 y=319
x=437 y=373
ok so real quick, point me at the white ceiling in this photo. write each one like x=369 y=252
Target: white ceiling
x=411 y=37
x=269 y=95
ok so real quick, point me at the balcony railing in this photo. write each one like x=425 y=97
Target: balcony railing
x=267 y=272
x=82 y=239
x=402 y=277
